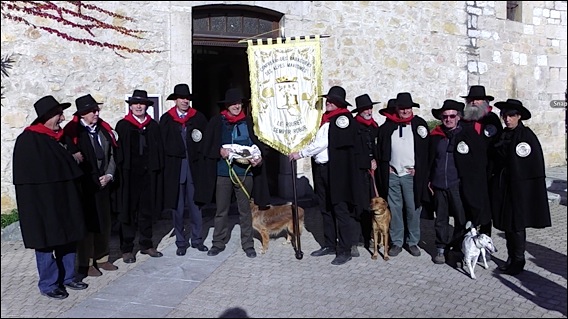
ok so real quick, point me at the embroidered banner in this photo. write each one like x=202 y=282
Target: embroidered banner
x=285 y=79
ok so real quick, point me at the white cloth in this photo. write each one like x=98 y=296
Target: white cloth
x=318 y=147
x=402 y=150
x=242 y=152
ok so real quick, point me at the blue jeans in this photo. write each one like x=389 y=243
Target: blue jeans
x=401 y=196
x=56 y=266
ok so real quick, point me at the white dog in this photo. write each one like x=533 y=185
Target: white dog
x=473 y=245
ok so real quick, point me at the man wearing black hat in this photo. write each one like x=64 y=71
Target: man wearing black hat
x=95 y=142
x=444 y=177
x=479 y=118
x=367 y=131
x=182 y=131
x=223 y=177
x=403 y=169
x=518 y=186
x=46 y=178
x=140 y=165
x=337 y=181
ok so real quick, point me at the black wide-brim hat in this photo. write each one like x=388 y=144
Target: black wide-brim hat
x=391 y=107
x=363 y=102
x=140 y=97
x=86 y=104
x=512 y=104
x=404 y=101
x=181 y=91
x=233 y=95
x=45 y=105
x=448 y=105
x=337 y=95
x=477 y=92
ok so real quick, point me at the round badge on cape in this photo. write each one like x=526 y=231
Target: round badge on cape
x=342 y=121
x=422 y=131
x=196 y=135
x=523 y=149
x=490 y=130
x=462 y=147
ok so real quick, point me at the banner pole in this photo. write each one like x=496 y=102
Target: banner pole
x=295 y=219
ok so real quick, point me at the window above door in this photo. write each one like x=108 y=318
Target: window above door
x=225 y=25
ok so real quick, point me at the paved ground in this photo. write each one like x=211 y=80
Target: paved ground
x=278 y=284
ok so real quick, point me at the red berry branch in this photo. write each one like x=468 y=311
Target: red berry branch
x=76 y=16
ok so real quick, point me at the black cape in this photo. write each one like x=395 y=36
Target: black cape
x=518 y=187
x=96 y=200
x=126 y=133
x=175 y=151
x=46 y=178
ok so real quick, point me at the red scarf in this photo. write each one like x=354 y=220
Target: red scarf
x=369 y=122
x=42 y=129
x=174 y=113
x=396 y=119
x=130 y=118
x=328 y=115
x=232 y=119
x=438 y=131
x=71 y=130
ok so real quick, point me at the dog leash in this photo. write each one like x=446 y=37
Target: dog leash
x=372 y=173
x=233 y=175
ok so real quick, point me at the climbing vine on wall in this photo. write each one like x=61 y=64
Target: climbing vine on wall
x=72 y=15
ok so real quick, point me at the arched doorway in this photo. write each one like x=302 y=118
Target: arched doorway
x=219 y=62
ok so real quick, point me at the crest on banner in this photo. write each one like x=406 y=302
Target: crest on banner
x=285 y=77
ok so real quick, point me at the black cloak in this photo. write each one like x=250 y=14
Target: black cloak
x=46 y=177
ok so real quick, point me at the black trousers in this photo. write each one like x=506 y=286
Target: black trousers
x=447 y=202
x=516 y=245
x=140 y=206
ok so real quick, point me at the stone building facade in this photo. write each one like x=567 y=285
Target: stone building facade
x=433 y=49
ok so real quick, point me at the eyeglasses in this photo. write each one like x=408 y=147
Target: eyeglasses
x=451 y=116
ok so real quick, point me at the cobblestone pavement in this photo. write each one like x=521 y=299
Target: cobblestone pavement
x=277 y=284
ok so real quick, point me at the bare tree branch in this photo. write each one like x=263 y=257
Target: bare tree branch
x=20 y=11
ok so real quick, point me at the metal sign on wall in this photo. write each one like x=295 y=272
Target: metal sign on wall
x=285 y=79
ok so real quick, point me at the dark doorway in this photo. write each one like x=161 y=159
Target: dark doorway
x=220 y=62
x=216 y=69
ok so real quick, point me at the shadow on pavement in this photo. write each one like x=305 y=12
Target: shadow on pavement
x=541 y=291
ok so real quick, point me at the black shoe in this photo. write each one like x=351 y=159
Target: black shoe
x=515 y=268
x=214 y=251
x=414 y=250
x=323 y=251
x=152 y=252
x=341 y=259
x=181 y=251
x=506 y=265
x=439 y=258
x=56 y=293
x=200 y=247
x=128 y=258
x=76 y=285
x=355 y=251
x=251 y=253
x=394 y=250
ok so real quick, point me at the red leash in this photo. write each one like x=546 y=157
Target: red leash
x=372 y=173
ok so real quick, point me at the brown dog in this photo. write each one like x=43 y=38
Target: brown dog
x=381 y=217
x=273 y=221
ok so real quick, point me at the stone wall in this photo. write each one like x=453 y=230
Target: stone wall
x=435 y=50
